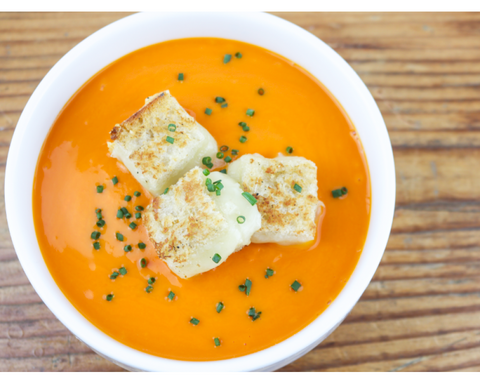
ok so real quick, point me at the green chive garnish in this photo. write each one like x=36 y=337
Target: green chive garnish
x=99 y=188
x=238 y=55
x=219 y=99
x=246 y=128
x=224 y=105
x=268 y=273
x=151 y=280
x=241 y=219
x=234 y=152
x=194 y=321
x=128 y=215
x=208 y=181
x=132 y=225
x=216 y=258
x=95 y=235
x=208 y=111
x=143 y=263
x=224 y=148
x=127 y=248
x=114 y=275
x=297 y=188
x=228 y=159
x=172 y=127
x=124 y=210
x=136 y=193
x=139 y=208
x=123 y=271
x=248 y=286
x=115 y=180
x=296 y=285
x=142 y=245
x=171 y=295
x=206 y=160
x=219 y=155
x=119 y=214
x=170 y=139
x=110 y=297
x=98 y=212
x=138 y=215
x=96 y=245
x=289 y=150
x=242 y=124
x=127 y=198
x=206 y=172
x=223 y=171
x=242 y=288
x=165 y=192
x=216 y=341
x=339 y=192
x=257 y=315
x=251 y=312
x=149 y=289
x=254 y=314
x=243 y=139
x=100 y=223
x=227 y=58
x=119 y=236
x=261 y=91
x=252 y=200
x=219 y=307
x=180 y=77
x=250 y=112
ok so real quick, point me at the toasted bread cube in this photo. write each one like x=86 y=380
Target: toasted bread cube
x=288 y=216
x=189 y=225
x=140 y=143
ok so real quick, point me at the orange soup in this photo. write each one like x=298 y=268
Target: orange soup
x=294 y=110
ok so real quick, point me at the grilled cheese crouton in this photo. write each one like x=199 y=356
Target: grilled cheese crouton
x=288 y=216
x=189 y=225
x=140 y=142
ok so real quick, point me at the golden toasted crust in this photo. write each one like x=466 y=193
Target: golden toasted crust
x=184 y=220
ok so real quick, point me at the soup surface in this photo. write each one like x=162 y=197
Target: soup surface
x=295 y=110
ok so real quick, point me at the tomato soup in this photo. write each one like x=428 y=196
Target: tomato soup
x=294 y=110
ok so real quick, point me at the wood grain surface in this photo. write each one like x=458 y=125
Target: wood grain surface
x=421 y=312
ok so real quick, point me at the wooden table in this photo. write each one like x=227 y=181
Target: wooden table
x=422 y=310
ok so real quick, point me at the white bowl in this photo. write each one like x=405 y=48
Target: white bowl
x=140 y=30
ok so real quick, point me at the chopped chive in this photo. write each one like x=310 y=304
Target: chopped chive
x=223 y=171
x=219 y=155
x=194 y=321
x=257 y=316
x=246 y=128
x=248 y=286
x=251 y=312
x=268 y=273
x=149 y=289
x=296 y=285
x=96 y=245
x=127 y=198
x=234 y=152
x=216 y=341
x=100 y=223
x=219 y=99
x=219 y=185
x=224 y=105
x=180 y=77
x=289 y=150
x=242 y=124
x=171 y=295
x=138 y=215
x=128 y=215
x=114 y=275
x=227 y=58
x=123 y=271
x=297 y=188
x=206 y=172
x=224 y=148
x=219 y=307
x=143 y=263
x=208 y=111
x=151 y=280
x=216 y=258
x=95 y=235
x=339 y=192
x=209 y=165
x=218 y=192
x=172 y=127
x=228 y=159
x=261 y=91
x=241 y=219
x=250 y=112
x=98 y=212
x=109 y=297
x=120 y=214
x=206 y=160
x=99 y=188
x=119 y=236
x=166 y=191
x=208 y=181
x=132 y=225
x=344 y=191
x=136 y=193
x=238 y=55
x=127 y=248
x=124 y=210
x=243 y=139
x=252 y=200
x=142 y=245
x=242 y=288
x=115 y=180
x=211 y=188
x=139 y=208
x=170 y=139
